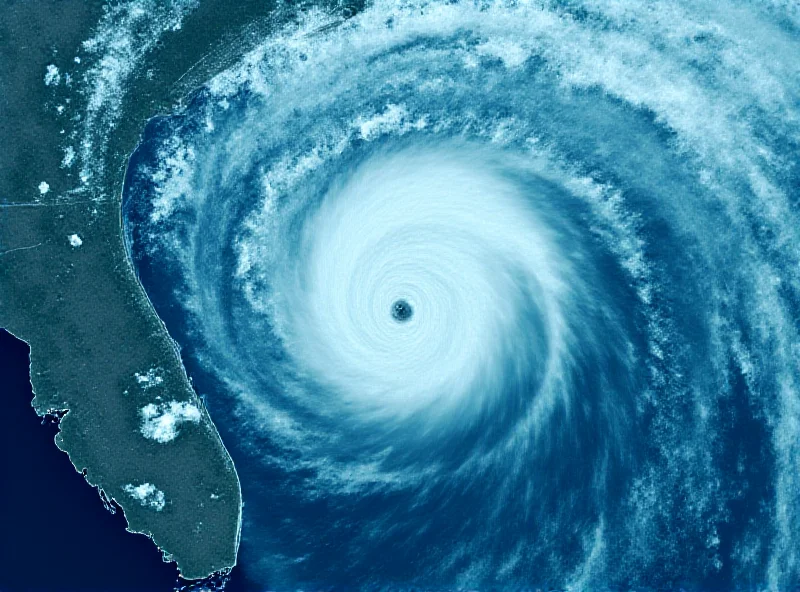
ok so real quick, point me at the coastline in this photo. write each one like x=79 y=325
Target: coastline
x=87 y=322
x=57 y=535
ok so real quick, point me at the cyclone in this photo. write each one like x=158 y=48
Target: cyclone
x=494 y=294
x=419 y=280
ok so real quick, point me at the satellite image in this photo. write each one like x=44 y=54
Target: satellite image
x=430 y=295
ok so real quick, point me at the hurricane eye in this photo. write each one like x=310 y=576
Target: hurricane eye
x=402 y=311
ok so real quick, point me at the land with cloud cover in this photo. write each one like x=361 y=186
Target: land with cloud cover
x=100 y=357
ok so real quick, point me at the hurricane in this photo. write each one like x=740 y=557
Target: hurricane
x=494 y=294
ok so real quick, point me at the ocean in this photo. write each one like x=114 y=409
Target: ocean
x=587 y=216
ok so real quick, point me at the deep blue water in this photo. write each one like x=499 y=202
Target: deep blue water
x=590 y=210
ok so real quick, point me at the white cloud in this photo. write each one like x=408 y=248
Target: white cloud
x=394 y=119
x=75 y=240
x=69 y=157
x=44 y=187
x=147 y=494
x=160 y=422
x=52 y=76
x=150 y=379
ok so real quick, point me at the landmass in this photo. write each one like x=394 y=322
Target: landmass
x=101 y=359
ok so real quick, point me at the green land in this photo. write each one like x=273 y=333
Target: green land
x=92 y=331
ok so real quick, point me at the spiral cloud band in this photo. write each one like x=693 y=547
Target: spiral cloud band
x=496 y=293
x=459 y=246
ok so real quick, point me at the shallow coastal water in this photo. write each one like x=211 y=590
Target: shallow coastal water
x=587 y=216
